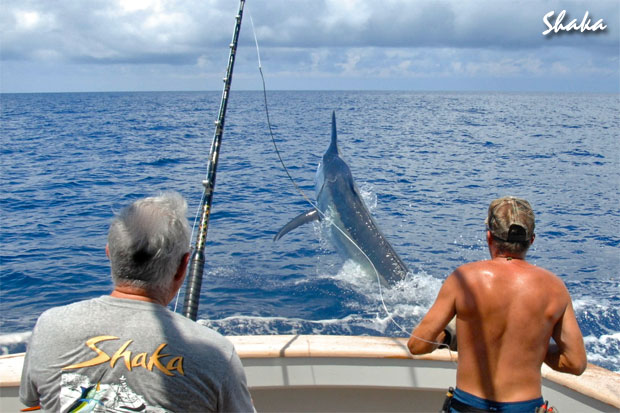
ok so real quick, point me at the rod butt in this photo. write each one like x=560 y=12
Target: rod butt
x=194 y=282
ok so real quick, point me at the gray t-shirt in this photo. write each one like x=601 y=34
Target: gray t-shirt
x=126 y=355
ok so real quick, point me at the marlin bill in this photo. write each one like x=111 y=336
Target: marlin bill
x=354 y=232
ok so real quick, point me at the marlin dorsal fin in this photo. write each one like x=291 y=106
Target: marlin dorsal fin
x=333 y=146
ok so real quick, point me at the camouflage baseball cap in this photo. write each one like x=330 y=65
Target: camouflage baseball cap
x=511 y=219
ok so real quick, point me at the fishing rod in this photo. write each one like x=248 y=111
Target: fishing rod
x=197 y=262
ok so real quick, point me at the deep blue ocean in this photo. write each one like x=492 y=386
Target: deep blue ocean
x=428 y=165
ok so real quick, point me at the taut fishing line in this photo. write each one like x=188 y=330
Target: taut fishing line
x=260 y=69
x=303 y=194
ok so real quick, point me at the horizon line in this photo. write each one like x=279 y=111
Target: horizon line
x=320 y=90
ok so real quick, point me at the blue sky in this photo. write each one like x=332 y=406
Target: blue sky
x=144 y=45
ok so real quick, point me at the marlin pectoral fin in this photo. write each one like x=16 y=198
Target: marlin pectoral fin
x=308 y=216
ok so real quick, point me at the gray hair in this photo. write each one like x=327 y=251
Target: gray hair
x=147 y=240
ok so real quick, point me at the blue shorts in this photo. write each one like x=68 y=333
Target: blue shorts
x=493 y=406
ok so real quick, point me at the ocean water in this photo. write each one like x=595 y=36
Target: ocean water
x=427 y=163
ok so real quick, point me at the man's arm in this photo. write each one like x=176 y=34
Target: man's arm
x=428 y=335
x=568 y=355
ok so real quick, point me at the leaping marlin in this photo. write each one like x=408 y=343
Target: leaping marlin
x=339 y=199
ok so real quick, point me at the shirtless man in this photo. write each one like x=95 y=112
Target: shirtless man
x=507 y=310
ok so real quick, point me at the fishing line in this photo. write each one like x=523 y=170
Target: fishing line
x=273 y=140
x=303 y=194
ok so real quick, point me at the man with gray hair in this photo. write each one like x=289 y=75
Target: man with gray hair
x=127 y=351
x=507 y=310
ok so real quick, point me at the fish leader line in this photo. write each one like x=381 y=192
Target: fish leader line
x=303 y=194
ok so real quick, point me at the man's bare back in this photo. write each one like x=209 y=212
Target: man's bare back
x=507 y=309
x=506 y=312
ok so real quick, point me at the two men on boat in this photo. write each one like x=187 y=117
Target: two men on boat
x=127 y=351
x=133 y=353
x=506 y=311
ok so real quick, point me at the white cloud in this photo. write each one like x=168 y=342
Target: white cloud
x=26 y=20
x=353 y=57
x=318 y=57
x=348 y=13
x=33 y=21
x=130 y=6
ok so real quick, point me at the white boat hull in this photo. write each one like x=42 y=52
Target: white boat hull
x=361 y=374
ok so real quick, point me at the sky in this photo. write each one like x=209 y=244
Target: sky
x=426 y=45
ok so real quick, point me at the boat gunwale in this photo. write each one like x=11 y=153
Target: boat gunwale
x=596 y=382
